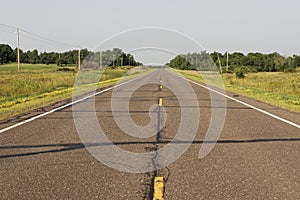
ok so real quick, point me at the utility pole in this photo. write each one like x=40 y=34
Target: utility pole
x=79 y=59
x=113 y=60
x=18 y=50
x=221 y=71
x=227 y=62
x=59 y=61
x=100 y=59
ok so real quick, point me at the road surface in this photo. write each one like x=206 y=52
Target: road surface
x=256 y=157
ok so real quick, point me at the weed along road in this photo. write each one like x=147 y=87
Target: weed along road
x=63 y=155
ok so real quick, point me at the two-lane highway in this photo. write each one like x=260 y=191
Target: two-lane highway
x=256 y=157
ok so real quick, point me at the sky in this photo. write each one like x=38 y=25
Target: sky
x=216 y=25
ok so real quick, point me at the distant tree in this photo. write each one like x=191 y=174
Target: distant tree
x=296 y=61
x=84 y=53
x=48 y=58
x=180 y=62
x=6 y=54
x=33 y=56
x=68 y=58
x=23 y=56
x=252 y=62
x=117 y=52
x=236 y=59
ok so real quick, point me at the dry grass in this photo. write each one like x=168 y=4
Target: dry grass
x=276 y=88
x=40 y=85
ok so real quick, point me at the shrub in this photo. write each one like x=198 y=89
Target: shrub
x=66 y=69
x=239 y=73
x=289 y=70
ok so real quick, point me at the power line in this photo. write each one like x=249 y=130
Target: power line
x=33 y=38
x=8 y=31
x=49 y=40
x=13 y=29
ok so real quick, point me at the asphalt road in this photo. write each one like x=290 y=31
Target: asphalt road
x=255 y=157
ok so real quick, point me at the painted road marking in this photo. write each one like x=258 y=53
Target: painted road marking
x=158 y=188
x=105 y=90
x=66 y=105
x=160 y=103
x=243 y=103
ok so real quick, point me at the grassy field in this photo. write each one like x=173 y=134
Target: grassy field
x=276 y=88
x=39 y=85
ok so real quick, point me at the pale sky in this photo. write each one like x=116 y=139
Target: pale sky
x=219 y=25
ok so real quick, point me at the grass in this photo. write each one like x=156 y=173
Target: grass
x=39 y=85
x=275 y=88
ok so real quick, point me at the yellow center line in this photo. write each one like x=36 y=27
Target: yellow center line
x=160 y=103
x=158 y=188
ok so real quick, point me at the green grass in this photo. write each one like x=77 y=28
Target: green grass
x=28 y=68
x=275 y=88
x=39 y=85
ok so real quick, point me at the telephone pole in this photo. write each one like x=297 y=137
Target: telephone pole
x=227 y=62
x=113 y=61
x=100 y=60
x=18 y=50
x=79 y=59
x=221 y=71
x=59 y=59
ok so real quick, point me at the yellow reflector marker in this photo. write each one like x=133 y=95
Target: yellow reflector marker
x=160 y=102
x=160 y=86
x=158 y=188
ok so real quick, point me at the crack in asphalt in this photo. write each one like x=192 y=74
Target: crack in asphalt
x=154 y=161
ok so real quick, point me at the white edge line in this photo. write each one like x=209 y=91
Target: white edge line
x=243 y=103
x=107 y=89
x=66 y=105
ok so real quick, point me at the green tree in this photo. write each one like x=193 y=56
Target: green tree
x=296 y=61
x=6 y=54
x=33 y=56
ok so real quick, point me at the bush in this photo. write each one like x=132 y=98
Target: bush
x=289 y=70
x=66 y=69
x=239 y=73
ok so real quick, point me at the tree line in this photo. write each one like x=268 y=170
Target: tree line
x=251 y=62
x=114 y=58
